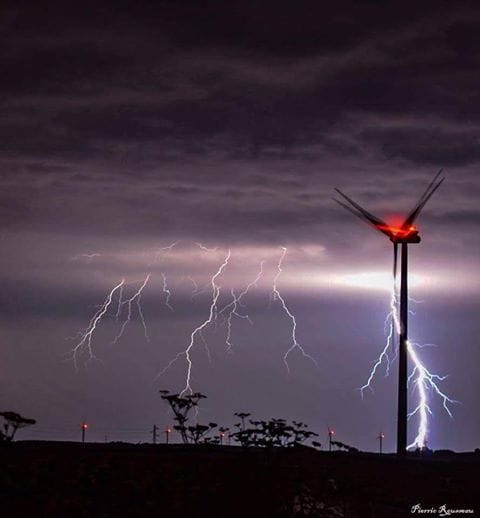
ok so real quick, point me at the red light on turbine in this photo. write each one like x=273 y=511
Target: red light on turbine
x=397 y=231
x=168 y=430
x=396 y=221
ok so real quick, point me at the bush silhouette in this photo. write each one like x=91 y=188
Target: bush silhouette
x=272 y=433
x=181 y=407
x=345 y=447
x=13 y=422
x=264 y=434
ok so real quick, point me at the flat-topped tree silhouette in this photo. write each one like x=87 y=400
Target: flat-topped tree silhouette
x=13 y=422
x=181 y=406
x=242 y=416
x=197 y=433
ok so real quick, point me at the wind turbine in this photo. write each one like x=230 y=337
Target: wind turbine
x=403 y=235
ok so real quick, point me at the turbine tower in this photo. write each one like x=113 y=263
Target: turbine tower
x=403 y=235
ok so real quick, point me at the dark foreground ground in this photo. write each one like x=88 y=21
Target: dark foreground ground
x=53 y=479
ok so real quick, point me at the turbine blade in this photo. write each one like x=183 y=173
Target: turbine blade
x=363 y=214
x=353 y=211
x=363 y=218
x=430 y=185
x=426 y=196
x=373 y=219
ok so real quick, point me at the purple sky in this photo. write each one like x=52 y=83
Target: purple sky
x=126 y=129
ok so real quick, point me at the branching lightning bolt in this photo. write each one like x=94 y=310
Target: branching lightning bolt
x=390 y=325
x=87 y=336
x=277 y=296
x=424 y=380
x=236 y=303
x=198 y=331
x=136 y=297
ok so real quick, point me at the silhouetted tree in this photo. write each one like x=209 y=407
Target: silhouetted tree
x=13 y=422
x=181 y=406
x=242 y=416
x=197 y=433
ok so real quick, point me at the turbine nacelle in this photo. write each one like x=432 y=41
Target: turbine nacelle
x=405 y=232
x=400 y=234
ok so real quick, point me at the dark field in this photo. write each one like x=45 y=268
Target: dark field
x=54 y=479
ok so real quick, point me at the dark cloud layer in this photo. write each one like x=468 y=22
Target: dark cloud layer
x=125 y=127
x=228 y=96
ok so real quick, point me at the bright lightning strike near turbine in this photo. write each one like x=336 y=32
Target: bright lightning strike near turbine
x=390 y=324
x=277 y=296
x=87 y=336
x=198 y=331
x=424 y=380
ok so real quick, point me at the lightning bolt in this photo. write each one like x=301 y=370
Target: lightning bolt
x=167 y=292
x=198 y=331
x=167 y=249
x=390 y=324
x=235 y=304
x=119 y=306
x=87 y=336
x=206 y=249
x=136 y=297
x=424 y=380
x=277 y=296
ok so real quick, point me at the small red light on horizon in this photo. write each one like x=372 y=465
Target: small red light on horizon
x=85 y=425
